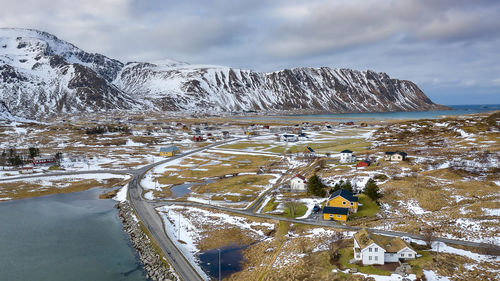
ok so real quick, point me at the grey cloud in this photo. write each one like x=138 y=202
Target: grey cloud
x=438 y=44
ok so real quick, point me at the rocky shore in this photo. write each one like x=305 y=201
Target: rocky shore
x=154 y=266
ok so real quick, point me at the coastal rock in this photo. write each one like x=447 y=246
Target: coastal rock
x=154 y=266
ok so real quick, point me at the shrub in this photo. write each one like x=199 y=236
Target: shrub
x=372 y=190
x=315 y=186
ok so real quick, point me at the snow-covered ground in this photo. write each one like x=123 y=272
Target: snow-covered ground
x=443 y=248
x=185 y=224
x=121 y=196
x=49 y=180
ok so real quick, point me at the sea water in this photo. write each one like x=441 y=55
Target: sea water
x=73 y=236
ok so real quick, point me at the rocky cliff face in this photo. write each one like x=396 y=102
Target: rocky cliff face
x=42 y=76
x=182 y=87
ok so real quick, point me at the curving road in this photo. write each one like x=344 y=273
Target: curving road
x=152 y=221
x=321 y=223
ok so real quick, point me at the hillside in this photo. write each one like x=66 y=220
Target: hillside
x=41 y=76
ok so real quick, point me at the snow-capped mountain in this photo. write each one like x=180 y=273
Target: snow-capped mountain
x=5 y=115
x=184 y=86
x=41 y=76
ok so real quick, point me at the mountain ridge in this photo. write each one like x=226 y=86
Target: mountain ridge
x=42 y=76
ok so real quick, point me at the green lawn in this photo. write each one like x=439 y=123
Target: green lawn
x=347 y=253
x=299 y=212
x=419 y=263
x=368 y=209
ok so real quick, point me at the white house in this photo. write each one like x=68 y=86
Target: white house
x=395 y=156
x=26 y=170
x=346 y=156
x=298 y=184
x=371 y=248
x=288 y=138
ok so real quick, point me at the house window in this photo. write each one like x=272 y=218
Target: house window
x=376 y=249
x=338 y=216
x=409 y=255
x=343 y=203
x=370 y=250
x=376 y=258
x=331 y=216
x=352 y=203
x=369 y=257
x=402 y=255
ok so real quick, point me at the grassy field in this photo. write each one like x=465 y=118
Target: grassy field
x=193 y=169
x=325 y=146
x=245 y=145
x=217 y=165
x=241 y=188
x=368 y=208
x=20 y=189
x=299 y=212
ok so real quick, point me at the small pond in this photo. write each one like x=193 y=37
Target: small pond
x=180 y=190
x=231 y=259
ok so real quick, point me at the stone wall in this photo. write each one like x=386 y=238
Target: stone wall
x=155 y=268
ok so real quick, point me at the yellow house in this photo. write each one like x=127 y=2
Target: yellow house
x=169 y=151
x=250 y=133
x=335 y=213
x=343 y=199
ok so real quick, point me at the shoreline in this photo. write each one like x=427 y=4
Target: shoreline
x=154 y=265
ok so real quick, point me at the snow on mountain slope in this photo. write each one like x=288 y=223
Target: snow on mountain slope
x=42 y=76
x=5 y=115
x=215 y=88
x=24 y=47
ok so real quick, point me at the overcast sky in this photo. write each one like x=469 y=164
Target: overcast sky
x=450 y=48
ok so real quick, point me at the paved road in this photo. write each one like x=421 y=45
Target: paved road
x=321 y=223
x=154 y=223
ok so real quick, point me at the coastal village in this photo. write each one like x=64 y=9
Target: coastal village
x=367 y=200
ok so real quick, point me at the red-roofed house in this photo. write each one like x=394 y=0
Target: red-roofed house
x=298 y=184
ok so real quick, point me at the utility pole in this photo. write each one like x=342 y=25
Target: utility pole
x=179 y=229
x=219 y=264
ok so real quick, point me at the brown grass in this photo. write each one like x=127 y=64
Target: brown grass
x=19 y=189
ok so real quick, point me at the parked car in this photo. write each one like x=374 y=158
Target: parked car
x=316 y=208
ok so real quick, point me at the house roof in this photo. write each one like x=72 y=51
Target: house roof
x=37 y=158
x=390 y=244
x=345 y=194
x=335 y=210
x=396 y=152
x=172 y=148
x=346 y=151
x=300 y=177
